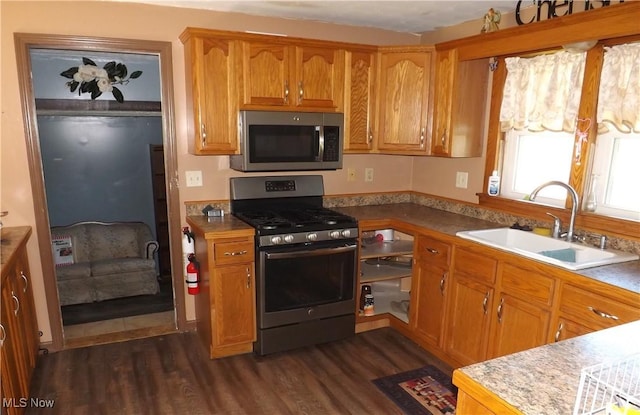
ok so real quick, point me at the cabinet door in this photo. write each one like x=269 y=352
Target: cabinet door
x=460 y=105
x=266 y=75
x=319 y=80
x=233 y=305
x=567 y=329
x=212 y=88
x=403 y=98
x=27 y=315
x=15 y=360
x=520 y=325
x=468 y=320
x=359 y=102
x=429 y=302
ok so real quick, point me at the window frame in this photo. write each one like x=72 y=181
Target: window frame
x=580 y=172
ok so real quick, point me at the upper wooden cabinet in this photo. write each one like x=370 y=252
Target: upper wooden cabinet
x=460 y=105
x=211 y=90
x=296 y=77
x=359 y=101
x=404 y=85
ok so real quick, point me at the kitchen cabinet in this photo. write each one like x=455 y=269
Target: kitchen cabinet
x=431 y=259
x=19 y=336
x=210 y=67
x=385 y=266
x=360 y=101
x=523 y=314
x=286 y=76
x=226 y=304
x=470 y=300
x=404 y=87
x=459 y=106
x=582 y=310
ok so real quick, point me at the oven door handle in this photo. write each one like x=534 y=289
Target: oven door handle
x=315 y=252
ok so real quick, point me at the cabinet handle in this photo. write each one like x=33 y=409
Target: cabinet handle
x=443 y=139
x=603 y=314
x=370 y=136
x=26 y=281
x=4 y=335
x=300 y=92
x=433 y=251
x=15 y=299
x=442 y=280
x=500 y=310
x=248 y=278
x=286 y=92
x=422 y=137
x=558 y=332
x=237 y=253
x=485 y=302
x=203 y=133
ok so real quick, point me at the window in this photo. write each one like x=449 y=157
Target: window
x=615 y=173
x=532 y=158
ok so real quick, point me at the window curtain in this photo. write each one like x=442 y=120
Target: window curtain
x=619 y=95
x=543 y=92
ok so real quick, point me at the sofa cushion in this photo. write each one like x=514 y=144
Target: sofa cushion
x=121 y=266
x=79 y=243
x=74 y=271
x=113 y=241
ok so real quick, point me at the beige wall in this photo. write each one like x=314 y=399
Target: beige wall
x=135 y=21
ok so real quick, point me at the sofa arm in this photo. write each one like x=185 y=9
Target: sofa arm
x=150 y=248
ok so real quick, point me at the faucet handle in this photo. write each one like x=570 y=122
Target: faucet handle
x=557 y=226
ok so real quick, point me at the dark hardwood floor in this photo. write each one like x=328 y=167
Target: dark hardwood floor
x=172 y=374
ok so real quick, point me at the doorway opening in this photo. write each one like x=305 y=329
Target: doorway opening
x=105 y=175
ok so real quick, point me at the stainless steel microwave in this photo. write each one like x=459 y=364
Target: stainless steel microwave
x=284 y=141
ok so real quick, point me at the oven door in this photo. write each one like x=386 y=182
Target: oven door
x=306 y=282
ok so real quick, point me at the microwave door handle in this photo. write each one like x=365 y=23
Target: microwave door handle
x=320 y=137
x=316 y=252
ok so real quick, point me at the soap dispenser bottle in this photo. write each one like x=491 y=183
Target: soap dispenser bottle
x=493 y=188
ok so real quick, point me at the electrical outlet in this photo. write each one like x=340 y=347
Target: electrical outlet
x=368 y=174
x=194 y=178
x=462 y=178
x=351 y=174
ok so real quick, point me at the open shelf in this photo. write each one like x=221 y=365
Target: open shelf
x=383 y=304
x=386 y=248
x=372 y=272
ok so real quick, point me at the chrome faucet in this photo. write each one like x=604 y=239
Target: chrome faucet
x=574 y=199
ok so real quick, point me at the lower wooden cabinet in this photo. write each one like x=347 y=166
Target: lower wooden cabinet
x=523 y=312
x=468 y=313
x=226 y=304
x=19 y=338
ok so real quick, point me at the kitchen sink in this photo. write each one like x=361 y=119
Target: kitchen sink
x=573 y=256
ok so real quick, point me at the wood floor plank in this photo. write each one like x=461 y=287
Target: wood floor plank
x=172 y=374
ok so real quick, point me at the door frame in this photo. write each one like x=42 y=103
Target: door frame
x=23 y=43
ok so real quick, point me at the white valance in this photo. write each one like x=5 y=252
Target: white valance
x=543 y=92
x=619 y=96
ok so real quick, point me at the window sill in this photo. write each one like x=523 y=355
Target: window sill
x=626 y=229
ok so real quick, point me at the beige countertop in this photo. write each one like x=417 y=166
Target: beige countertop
x=12 y=238
x=545 y=379
x=625 y=275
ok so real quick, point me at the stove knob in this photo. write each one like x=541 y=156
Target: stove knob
x=288 y=238
x=276 y=240
x=334 y=234
x=312 y=236
x=346 y=233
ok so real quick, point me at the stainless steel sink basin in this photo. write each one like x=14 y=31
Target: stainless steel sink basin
x=573 y=256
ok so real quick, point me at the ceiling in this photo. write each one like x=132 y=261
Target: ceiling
x=399 y=15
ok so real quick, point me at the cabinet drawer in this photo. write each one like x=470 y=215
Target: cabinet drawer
x=432 y=251
x=233 y=252
x=595 y=309
x=527 y=285
x=476 y=266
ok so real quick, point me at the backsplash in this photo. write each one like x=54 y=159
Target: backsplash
x=195 y=209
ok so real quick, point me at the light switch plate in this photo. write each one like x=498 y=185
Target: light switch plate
x=462 y=178
x=193 y=178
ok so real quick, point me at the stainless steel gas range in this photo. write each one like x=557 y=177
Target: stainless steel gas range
x=306 y=261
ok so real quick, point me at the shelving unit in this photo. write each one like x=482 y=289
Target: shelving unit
x=386 y=266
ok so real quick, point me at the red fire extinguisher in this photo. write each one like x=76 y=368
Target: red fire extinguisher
x=193 y=275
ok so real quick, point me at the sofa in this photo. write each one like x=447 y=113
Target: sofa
x=101 y=261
